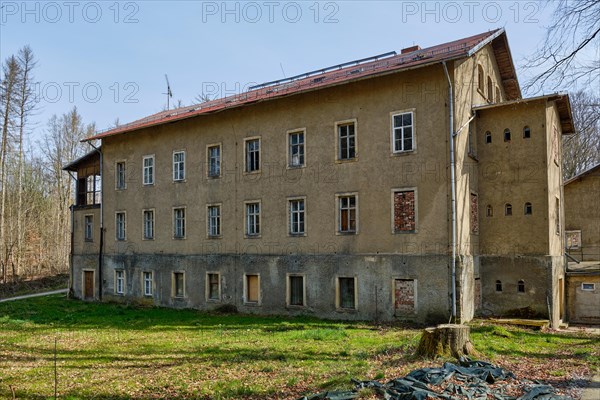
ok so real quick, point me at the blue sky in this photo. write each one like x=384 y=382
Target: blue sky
x=109 y=58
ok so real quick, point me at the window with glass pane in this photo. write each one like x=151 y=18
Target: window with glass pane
x=296 y=290
x=93 y=189
x=347 y=214
x=252 y=219
x=178 y=288
x=346 y=142
x=296 y=143
x=214 y=221
x=297 y=217
x=148 y=224
x=120 y=226
x=347 y=293
x=252 y=155
x=147 y=283
x=89 y=228
x=120 y=175
x=148 y=170
x=214 y=161
x=403 y=132
x=179 y=166
x=120 y=282
x=213 y=286
x=179 y=223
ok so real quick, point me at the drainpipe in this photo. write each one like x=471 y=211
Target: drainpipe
x=452 y=188
x=72 y=249
x=101 y=224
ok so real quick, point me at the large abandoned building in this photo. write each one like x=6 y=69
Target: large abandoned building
x=415 y=186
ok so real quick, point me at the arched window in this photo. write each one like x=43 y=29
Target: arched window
x=507 y=135
x=507 y=209
x=521 y=286
x=490 y=90
x=489 y=211
x=498 y=97
x=528 y=209
x=498 y=286
x=480 y=77
x=526 y=132
x=488 y=137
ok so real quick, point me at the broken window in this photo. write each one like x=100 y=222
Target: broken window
x=119 y=282
x=296 y=149
x=346 y=141
x=526 y=132
x=507 y=209
x=296 y=216
x=120 y=175
x=403 y=131
x=179 y=166
x=507 y=135
x=528 y=209
x=347 y=214
x=178 y=284
x=148 y=216
x=488 y=137
x=214 y=161
x=148 y=170
x=347 y=293
x=213 y=286
x=89 y=228
x=120 y=225
x=296 y=290
x=214 y=221
x=148 y=283
x=474 y=214
x=252 y=219
x=405 y=215
x=489 y=211
x=179 y=223
x=252 y=289
x=521 y=286
x=498 y=286
x=252 y=155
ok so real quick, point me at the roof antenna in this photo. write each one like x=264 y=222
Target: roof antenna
x=281 y=66
x=169 y=93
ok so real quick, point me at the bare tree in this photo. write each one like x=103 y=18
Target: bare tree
x=566 y=55
x=582 y=149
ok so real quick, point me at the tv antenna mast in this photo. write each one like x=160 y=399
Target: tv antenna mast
x=169 y=93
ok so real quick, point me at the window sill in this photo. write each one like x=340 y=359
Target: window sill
x=120 y=240
x=403 y=153
x=292 y=167
x=215 y=301
x=213 y=177
x=405 y=232
x=252 y=303
x=120 y=189
x=473 y=156
x=256 y=172
x=346 y=310
x=148 y=184
x=214 y=237
x=297 y=235
x=180 y=181
x=346 y=160
x=89 y=240
x=148 y=239
x=179 y=238
x=295 y=307
x=252 y=236
x=354 y=233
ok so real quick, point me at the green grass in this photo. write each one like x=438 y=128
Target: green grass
x=108 y=351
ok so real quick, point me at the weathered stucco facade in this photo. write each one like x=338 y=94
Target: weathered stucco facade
x=376 y=227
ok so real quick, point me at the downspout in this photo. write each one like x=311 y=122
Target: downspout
x=101 y=224
x=452 y=188
x=72 y=249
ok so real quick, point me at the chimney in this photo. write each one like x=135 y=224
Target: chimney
x=410 y=49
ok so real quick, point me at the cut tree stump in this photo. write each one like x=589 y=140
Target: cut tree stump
x=446 y=340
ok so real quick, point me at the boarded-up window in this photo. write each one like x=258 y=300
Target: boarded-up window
x=252 y=288
x=404 y=296
x=404 y=211
x=474 y=214
x=296 y=290
x=347 y=292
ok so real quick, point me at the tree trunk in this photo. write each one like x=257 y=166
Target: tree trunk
x=446 y=340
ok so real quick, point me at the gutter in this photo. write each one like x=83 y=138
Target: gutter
x=452 y=187
x=101 y=223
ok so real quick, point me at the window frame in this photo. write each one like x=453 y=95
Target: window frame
x=122 y=281
x=528 y=208
x=117 y=237
x=150 y=168
x=120 y=175
x=526 y=132
x=393 y=211
x=508 y=210
x=480 y=79
x=176 y=169
x=289 y=145
x=207 y=287
x=209 y=164
x=488 y=137
x=248 y=235
x=145 y=288
x=338 y=205
x=90 y=237
x=289 y=213
x=246 y=155
x=247 y=302
x=144 y=211
x=498 y=286
x=412 y=112
x=489 y=211
x=521 y=286
x=490 y=89
x=288 y=290
x=338 y=148
x=587 y=289
x=219 y=206
x=174 y=284
x=338 y=294
x=507 y=135
x=415 y=283
x=174 y=221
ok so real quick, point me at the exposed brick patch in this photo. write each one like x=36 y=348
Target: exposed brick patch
x=404 y=211
x=474 y=214
x=405 y=296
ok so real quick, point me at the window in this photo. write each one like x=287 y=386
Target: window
x=403 y=132
x=490 y=90
x=252 y=289
x=214 y=161
x=498 y=286
x=405 y=211
x=296 y=149
x=346 y=293
x=588 y=286
x=296 y=290
x=405 y=296
x=120 y=175
x=474 y=214
x=557 y=212
x=498 y=97
x=120 y=225
x=346 y=141
x=252 y=155
x=89 y=228
x=253 y=219
x=214 y=220
x=528 y=209
x=179 y=223
x=507 y=209
x=480 y=78
x=521 y=286
x=178 y=284
x=148 y=283
x=526 y=132
x=213 y=287
x=89 y=190
x=178 y=166
x=488 y=137
x=148 y=217
x=347 y=214
x=489 y=211
x=507 y=135
x=148 y=170
x=119 y=282
x=296 y=207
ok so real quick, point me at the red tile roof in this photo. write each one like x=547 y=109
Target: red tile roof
x=415 y=59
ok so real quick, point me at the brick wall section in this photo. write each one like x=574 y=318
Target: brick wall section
x=404 y=211
x=474 y=214
x=405 y=296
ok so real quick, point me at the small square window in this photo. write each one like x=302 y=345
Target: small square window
x=588 y=286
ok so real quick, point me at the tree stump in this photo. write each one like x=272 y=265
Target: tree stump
x=446 y=340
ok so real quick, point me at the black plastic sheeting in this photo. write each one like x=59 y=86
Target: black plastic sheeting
x=475 y=377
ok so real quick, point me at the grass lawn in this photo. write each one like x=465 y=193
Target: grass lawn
x=107 y=351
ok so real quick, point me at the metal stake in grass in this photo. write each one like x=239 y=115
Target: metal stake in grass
x=55 y=372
